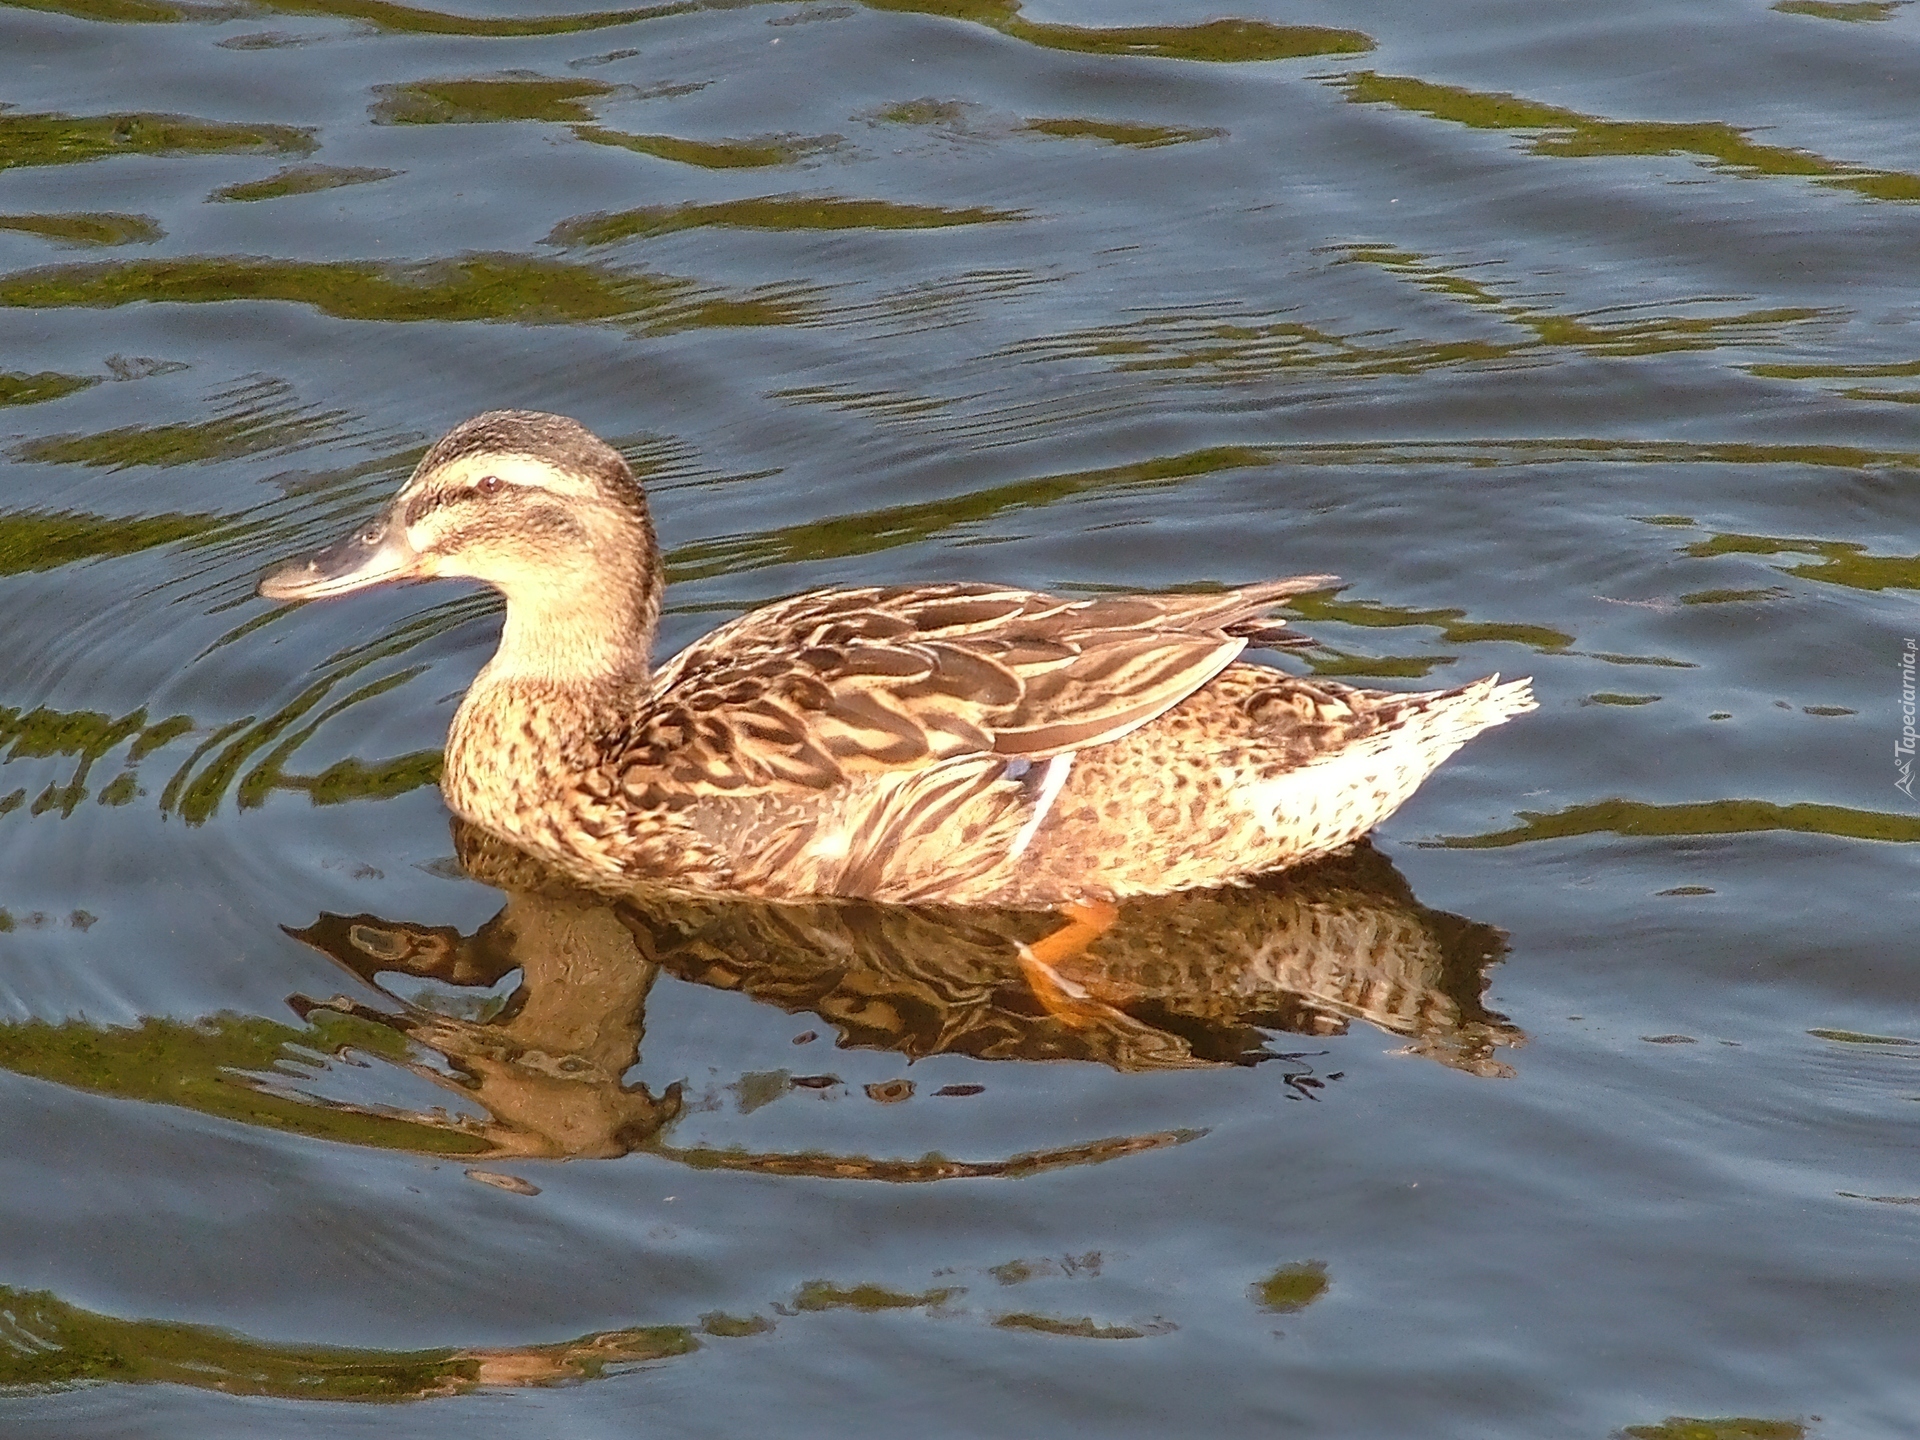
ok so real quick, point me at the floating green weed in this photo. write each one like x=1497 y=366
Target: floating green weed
x=884 y=529
x=1115 y=132
x=257 y=429
x=733 y=1327
x=500 y=287
x=1840 y=562
x=45 y=542
x=1852 y=11
x=1855 y=1037
x=46 y=1342
x=208 y=1066
x=1570 y=133
x=1681 y=1427
x=301 y=180
x=1084 y=1328
x=824 y=1295
x=770 y=212
x=1213 y=40
x=21 y=389
x=754 y=154
x=125 y=12
x=1454 y=627
x=1214 y=346
x=379 y=14
x=485 y=100
x=54 y=139
x=1638 y=818
x=408 y=20
x=100 y=228
x=352 y=779
x=1291 y=1288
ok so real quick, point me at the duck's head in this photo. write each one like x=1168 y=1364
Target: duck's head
x=537 y=506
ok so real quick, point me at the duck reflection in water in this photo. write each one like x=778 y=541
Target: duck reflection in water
x=1187 y=980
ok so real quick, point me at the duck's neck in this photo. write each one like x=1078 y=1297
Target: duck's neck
x=570 y=669
x=590 y=639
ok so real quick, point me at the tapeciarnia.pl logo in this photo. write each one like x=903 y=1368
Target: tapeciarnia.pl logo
x=1903 y=747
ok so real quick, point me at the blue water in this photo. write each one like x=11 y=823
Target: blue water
x=1582 y=343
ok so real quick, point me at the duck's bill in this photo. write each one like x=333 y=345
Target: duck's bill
x=372 y=556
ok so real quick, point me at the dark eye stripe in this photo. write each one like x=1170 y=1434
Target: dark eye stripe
x=422 y=506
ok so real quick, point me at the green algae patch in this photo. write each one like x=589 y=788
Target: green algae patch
x=88 y=736
x=407 y=20
x=226 y=437
x=301 y=180
x=733 y=1327
x=161 y=732
x=1084 y=1328
x=30 y=542
x=1900 y=369
x=203 y=780
x=352 y=779
x=1116 y=132
x=925 y=111
x=1608 y=697
x=1855 y=1037
x=1852 y=11
x=1570 y=133
x=17 y=388
x=210 y=1067
x=483 y=101
x=818 y=1295
x=92 y=228
x=1212 y=347
x=1339 y=664
x=757 y=153
x=1291 y=1288
x=54 y=1344
x=770 y=212
x=1453 y=625
x=123 y=789
x=1213 y=40
x=1733 y=596
x=1838 y=562
x=871 y=531
x=1681 y=1427
x=42 y=733
x=499 y=287
x=54 y=139
x=379 y=14
x=1638 y=819
x=46 y=1343
x=121 y=12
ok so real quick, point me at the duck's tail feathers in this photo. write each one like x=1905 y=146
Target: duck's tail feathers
x=1441 y=721
x=1490 y=702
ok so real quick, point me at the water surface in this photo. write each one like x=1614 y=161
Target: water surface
x=1582 y=344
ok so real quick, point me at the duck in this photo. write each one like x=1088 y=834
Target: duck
x=957 y=744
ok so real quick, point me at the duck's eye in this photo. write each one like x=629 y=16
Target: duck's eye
x=491 y=485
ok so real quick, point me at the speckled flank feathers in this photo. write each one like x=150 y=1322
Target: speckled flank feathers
x=967 y=744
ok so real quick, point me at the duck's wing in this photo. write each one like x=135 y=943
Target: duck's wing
x=809 y=691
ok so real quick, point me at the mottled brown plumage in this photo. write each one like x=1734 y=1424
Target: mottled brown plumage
x=967 y=744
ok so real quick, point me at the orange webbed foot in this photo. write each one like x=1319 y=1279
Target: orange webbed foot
x=1048 y=964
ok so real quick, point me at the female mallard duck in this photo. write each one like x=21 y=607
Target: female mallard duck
x=967 y=744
